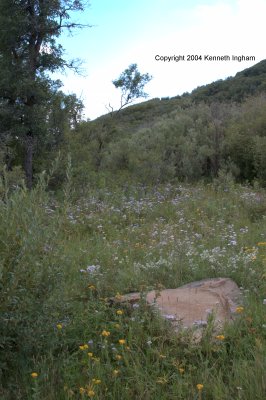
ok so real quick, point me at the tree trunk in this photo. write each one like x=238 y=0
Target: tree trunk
x=28 y=161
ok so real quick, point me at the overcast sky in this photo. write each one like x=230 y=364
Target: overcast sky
x=125 y=32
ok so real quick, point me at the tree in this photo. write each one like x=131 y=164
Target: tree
x=29 y=53
x=131 y=82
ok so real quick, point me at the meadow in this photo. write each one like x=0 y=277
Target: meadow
x=64 y=256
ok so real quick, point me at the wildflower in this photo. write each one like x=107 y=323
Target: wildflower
x=120 y=312
x=239 y=310
x=92 y=287
x=59 y=326
x=118 y=357
x=181 y=370
x=105 y=333
x=220 y=337
x=90 y=354
x=118 y=296
x=82 y=390
x=121 y=341
x=261 y=244
x=83 y=347
x=34 y=375
x=117 y=326
x=96 y=381
x=90 y=393
x=199 y=386
x=116 y=372
x=96 y=359
x=162 y=356
x=92 y=269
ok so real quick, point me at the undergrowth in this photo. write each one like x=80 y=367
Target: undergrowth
x=62 y=260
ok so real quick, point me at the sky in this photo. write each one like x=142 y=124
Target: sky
x=123 y=32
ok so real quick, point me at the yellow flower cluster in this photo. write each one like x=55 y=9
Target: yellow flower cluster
x=105 y=333
x=83 y=347
x=239 y=310
x=220 y=337
x=34 y=375
x=89 y=389
x=199 y=386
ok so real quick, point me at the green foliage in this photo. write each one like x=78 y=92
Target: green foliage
x=62 y=261
x=131 y=82
x=30 y=109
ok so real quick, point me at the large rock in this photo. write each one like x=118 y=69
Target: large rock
x=190 y=305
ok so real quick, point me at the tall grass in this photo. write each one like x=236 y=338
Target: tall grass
x=62 y=260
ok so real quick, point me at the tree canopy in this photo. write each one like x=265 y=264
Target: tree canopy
x=131 y=82
x=29 y=53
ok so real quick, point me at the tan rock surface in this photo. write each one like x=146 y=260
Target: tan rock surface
x=190 y=305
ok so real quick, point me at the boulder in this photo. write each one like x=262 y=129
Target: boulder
x=190 y=305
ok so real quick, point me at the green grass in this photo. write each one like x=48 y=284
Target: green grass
x=138 y=239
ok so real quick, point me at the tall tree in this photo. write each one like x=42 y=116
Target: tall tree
x=29 y=52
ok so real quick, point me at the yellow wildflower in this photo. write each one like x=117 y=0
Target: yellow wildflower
x=59 y=326
x=120 y=312
x=239 y=310
x=121 y=341
x=162 y=356
x=117 y=326
x=96 y=381
x=90 y=393
x=90 y=354
x=118 y=357
x=118 y=296
x=199 y=386
x=181 y=370
x=92 y=287
x=220 y=337
x=261 y=244
x=82 y=390
x=34 y=375
x=105 y=333
x=115 y=372
x=83 y=347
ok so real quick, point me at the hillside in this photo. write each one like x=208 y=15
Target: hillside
x=249 y=82
x=191 y=137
